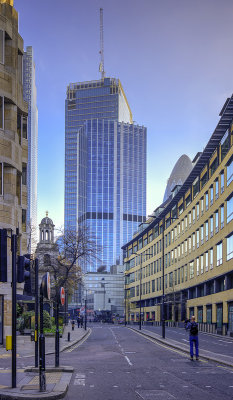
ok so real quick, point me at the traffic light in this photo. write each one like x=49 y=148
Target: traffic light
x=24 y=273
x=3 y=255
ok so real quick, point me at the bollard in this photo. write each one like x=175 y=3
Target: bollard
x=68 y=337
x=73 y=325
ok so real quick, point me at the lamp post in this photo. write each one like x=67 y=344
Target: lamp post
x=140 y=288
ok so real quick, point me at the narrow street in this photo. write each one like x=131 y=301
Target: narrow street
x=115 y=363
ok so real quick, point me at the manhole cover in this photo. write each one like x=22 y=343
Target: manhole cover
x=155 y=394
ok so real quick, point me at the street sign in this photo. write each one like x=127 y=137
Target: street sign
x=45 y=285
x=82 y=310
x=62 y=296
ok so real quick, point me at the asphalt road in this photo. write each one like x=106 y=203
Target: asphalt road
x=216 y=344
x=115 y=363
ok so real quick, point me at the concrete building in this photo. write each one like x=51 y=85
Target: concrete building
x=105 y=167
x=30 y=96
x=187 y=247
x=13 y=152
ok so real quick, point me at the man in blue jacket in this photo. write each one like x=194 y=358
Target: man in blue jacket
x=193 y=337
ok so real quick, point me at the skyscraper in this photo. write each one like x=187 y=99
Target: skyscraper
x=105 y=166
x=30 y=96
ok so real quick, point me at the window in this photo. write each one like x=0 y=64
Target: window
x=202 y=206
x=191 y=270
x=186 y=272
x=211 y=195
x=230 y=247
x=20 y=67
x=197 y=262
x=202 y=234
x=190 y=244
x=211 y=226
x=195 y=187
x=193 y=215
x=202 y=264
x=190 y=219
x=206 y=231
x=165 y=281
x=182 y=226
x=229 y=209
x=206 y=261
x=216 y=222
x=222 y=181
x=186 y=222
x=211 y=254
x=219 y=253
x=193 y=241
x=171 y=279
x=197 y=232
x=2 y=46
x=216 y=189
x=186 y=246
x=1 y=112
x=222 y=215
x=19 y=126
x=225 y=144
x=24 y=215
x=230 y=172
x=24 y=174
x=197 y=211
x=206 y=201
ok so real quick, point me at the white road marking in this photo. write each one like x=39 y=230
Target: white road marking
x=115 y=386
x=127 y=372
x=185 y=340
x=80 y=376
x=130 y=352
x=128 y=360
x=208 y=386
x=80 y=382
x=92 y=385
x=185 y=386
x=184 y=372
x=109 y=372
x=91 y=372
x=230 y=386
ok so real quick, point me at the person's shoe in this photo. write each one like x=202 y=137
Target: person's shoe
x=191 y=358
x=197 y=358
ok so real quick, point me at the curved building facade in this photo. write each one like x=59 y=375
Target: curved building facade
x=180 y=172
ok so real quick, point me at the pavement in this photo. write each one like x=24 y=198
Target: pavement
x=57 y=379
x=213 y=355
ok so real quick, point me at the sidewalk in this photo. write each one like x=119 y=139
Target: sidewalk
x=26 y=348
x=204 y=354
x=57 y=379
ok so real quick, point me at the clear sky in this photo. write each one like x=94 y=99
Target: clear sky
x=173 y=57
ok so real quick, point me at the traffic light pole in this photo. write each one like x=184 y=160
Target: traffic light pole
x=14 y=251
x=36 y=311
x=57 y=333
x=42 y=377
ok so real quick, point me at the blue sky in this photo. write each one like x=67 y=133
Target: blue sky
x=173 y=57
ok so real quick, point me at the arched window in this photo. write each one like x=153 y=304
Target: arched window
x=47 y=235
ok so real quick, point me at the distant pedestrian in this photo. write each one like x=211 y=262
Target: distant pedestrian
x=192 y=326
x=81 y=321
x=78 y=321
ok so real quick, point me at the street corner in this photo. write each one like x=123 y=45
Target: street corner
x=57 y=383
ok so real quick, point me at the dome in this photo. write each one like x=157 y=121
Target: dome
x=179 y=174
x=47 y=221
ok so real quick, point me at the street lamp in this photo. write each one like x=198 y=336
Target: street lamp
x=163 y=272
x=140 y=288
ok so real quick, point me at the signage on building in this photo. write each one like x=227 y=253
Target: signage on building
x=62 y=296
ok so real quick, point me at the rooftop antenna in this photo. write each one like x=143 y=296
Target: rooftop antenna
x=101 y=67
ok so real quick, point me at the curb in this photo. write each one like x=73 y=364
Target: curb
x=65 y=347
x=50 y=369
x=58 y=392
x=186 y=351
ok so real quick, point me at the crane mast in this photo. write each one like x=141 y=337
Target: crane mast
x=101 y=67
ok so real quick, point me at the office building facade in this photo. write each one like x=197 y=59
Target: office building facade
x=188 y=244
x=30 y=96
x=13 y=157
x=105 y=167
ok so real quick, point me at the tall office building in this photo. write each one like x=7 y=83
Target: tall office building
x=30 y=96
x=105 y=167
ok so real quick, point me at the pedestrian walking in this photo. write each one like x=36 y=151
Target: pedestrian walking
x=81 y=321
x=192 y=326
x=78 y=321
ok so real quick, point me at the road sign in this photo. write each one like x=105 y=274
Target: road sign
x=82 y=310
x=45 y=284
x=62 y=296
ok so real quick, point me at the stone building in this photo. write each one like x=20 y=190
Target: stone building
x=13 y=153
x=47 y=250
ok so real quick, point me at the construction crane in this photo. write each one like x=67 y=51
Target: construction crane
x=101 y=66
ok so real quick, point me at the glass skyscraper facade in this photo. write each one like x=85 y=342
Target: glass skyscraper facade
x=105 y=167
x=30 y=96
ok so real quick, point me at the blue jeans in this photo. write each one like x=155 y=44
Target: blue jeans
x=193 y=339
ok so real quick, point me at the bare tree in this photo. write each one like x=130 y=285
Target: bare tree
x=75 y=248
